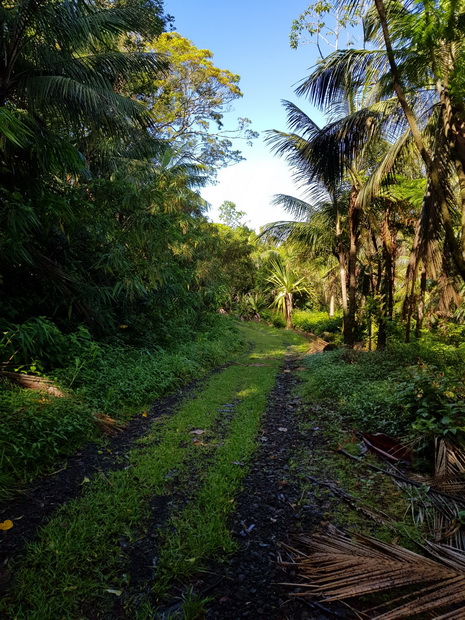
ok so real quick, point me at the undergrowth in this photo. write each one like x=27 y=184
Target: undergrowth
x=318 y=323
x=384 y=391
x=38 y=430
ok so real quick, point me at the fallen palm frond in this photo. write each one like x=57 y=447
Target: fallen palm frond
x=372 y=513
x=33 y=382
x=336 y=568
x=449 y=475
x=438 y=502
x=108 y=425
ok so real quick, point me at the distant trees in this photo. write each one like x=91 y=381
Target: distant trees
x=187 y=104
x=229 y=214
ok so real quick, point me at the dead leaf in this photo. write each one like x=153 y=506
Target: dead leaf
x=6 y=525
x=115 y=592
x=145 y=414
x=197 y=431
x=338 y=567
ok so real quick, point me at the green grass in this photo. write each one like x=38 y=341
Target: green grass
x=38 y=430
x=79 y=554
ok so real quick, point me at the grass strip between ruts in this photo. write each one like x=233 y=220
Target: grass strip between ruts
x=77 y=561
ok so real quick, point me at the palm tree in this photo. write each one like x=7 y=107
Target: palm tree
x=333 y=158
x=316 y=232
x=418 y=73
x=285 y=283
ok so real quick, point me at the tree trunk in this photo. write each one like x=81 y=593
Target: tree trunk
x=421 y=302
x=342 y=265
x=350 y=327
x=331 y=305
x=387 y=299
x=288 y=302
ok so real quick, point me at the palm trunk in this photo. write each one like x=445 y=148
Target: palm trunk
x=350 y=327
x=387 y=303
x=421 y=303
x=288 y=302
x=342 y=263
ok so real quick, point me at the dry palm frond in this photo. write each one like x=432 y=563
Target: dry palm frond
x=108 y=425
x=32 y=382
x=440 y=502
x=449 y=473
x=339 y=568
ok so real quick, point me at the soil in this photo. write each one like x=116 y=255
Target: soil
x=270 y=509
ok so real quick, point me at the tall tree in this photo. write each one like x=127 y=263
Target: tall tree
x=187 y=105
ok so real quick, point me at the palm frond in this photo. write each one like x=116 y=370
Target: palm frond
x=335 y=76
x=337 y=568
x=298 y=208
x=300 y=122
x=372 y=188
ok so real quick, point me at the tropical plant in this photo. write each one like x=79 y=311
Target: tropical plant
x=285 y=284
x=417 y=76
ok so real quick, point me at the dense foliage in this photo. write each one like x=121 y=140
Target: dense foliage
x=384 y=176
x=109 y=126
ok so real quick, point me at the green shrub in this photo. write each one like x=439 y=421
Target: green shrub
x=37 y=430
x=36 y=339
x=277 y=320
x=316 y=322
x=391 y=390
x=435 y=401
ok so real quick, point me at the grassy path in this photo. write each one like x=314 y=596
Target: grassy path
x=171 y=497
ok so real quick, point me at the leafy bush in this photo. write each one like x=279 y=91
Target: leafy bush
x=36 y=339
x=316 y=322
x=37 y=430
x=393 y=391
x=277 y=320
x=358 y=386
x=121 y=376
x=119 y=380
x=436 y=401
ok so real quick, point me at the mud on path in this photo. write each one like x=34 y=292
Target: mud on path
x=270 y=509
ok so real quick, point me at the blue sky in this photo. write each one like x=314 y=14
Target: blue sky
x=251 y=38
